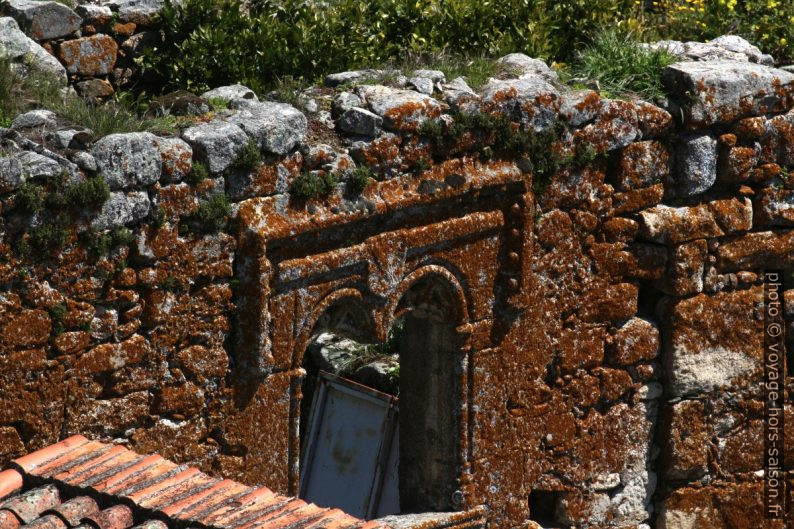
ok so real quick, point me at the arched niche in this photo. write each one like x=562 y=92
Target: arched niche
x=430 y=310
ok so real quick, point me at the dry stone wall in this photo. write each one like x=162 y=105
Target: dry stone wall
x=620 y=373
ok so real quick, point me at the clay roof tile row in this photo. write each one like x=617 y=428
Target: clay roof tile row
x=82 y=484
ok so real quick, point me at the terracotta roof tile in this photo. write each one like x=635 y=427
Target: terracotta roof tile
x=65 y=485
x=74 y=510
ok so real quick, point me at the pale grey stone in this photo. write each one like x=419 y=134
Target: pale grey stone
x=521 y=65
x=18 y=47
x=723 y=91
x=11 y=174
x=423 y=85
x=360 y=122
x=122 y=209
x=726 y=47
x=345 y=101
x=437 y=76
x=126 y=160
x=575 y=108
x=400 y=109
x=531 y=101
x=34 y=118
x=140 y=12
x=217 y=143
x=231 y=92
x=94 y=13
x=35 y=165
x=696 y=164
x=332 y=353
x=336 y=79
x=42 y=20
x=275 y=127
x=84 y=161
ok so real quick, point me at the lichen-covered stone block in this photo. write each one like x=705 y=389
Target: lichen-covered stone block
x=89 y=56
x=719 y=92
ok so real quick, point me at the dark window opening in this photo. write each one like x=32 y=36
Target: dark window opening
x=542 y=508
x=419 y=363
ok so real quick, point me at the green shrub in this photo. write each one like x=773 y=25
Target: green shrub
x=248 y=159
x=212 y=39
x=29 y=198
x=57 y=314
x=769 y=24
x=49 y=237
x=88 y=194
x=212 y=213
x=621 y=66
x=198 y=173
x=359 y=179
x=313 y=184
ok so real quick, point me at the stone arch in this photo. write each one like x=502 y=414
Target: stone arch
x=431 y=305
x=338 y=311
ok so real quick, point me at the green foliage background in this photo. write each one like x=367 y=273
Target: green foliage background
x=258 y=42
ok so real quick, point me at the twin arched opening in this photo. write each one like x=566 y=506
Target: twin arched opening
x=428 y=309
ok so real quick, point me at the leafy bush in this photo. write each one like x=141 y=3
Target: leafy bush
x=313 y=184
x=217 y=42
x=198 y=173
x=29 y=198
x=769 y=24
x=248 y=159
x=212 y=213
x=622 y=66
x=49 y=237
x=88 y=194
x=359 y=179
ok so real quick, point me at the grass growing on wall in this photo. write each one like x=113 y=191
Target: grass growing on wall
x=18 y=94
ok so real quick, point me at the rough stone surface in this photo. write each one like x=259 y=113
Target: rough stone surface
x=34 y=119
x=696 y=164
x=714 y=341
x=725 y=47
x=35 y=165
x=89 y=56
x=229 y=93
x=20 y=48
x=122 y=209
x=177 y=158
x=139 y=12
x=401 y=110
x=532 y=101
x=128 y=159
x=360 y=122
x=218 y=144
x=520 y=64
x=275 y=127
x=667 y=224
x=642 y=164
x=11 y=174
x=42 y=20
x=723 y=91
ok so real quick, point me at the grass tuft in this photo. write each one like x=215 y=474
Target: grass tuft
x=622 y=66
x=313 y=184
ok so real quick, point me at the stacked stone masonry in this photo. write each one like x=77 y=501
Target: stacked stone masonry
x=609 y=319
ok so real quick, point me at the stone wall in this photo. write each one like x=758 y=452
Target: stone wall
x=607 y=279
x=95 y=44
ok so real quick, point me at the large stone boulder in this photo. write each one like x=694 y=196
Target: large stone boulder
x=89 y=56
x=127 y=160
x=42 y=20
x=720 y=92
x=275 y=127
x=21 y=49
x=122 y=209
x=401 y=110
x=216 y=143
x=520 y=65
x=726 y=47
x=140 y=12
x=531 y=100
